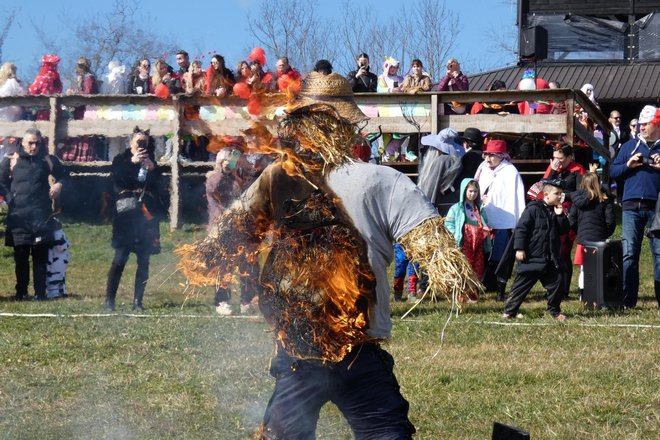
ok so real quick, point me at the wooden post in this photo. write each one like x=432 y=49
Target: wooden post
x=434 y=113
x=570 y=118
x=174 y=166
x=54 y=120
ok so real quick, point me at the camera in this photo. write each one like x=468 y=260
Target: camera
x=647 y=160
x=142 y=143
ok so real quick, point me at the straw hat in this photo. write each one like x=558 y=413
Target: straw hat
x=331 y=90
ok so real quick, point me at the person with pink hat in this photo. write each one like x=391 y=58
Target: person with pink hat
x=503 y=201
x=638 y=164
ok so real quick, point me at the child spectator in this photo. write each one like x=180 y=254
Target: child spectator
x=402 y=265
x=536 y=243
x=591 y=216
x=224 y=185
x=390 y=81
x=469 y=226
x=58 y=260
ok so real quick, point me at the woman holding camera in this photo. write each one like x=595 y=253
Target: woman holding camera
x=362 y=80
x=135 y=227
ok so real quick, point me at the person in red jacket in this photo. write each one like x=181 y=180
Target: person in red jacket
x=287 y=77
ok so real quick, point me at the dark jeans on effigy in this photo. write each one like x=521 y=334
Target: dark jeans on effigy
x=362 y=385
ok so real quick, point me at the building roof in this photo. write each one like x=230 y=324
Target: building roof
x=612 y=82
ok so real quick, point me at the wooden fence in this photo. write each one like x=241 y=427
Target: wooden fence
x=117 y=115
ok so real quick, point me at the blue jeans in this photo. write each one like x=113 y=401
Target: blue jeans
x=402 y=264
x=634 y=225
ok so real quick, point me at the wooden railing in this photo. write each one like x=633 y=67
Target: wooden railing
x=117 y=115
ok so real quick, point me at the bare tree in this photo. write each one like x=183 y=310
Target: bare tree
x=292 y=28
x=503 y=39
x=120 y=34
x=436 y=31
x=5 y=25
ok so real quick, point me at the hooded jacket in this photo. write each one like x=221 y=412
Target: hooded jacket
x=456 y=217
x=26 y=190
x=537 y=233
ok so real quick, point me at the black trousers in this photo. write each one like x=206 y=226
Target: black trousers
x=22 y=267
x=551 y=280
x=362 y=385
x=117 y=268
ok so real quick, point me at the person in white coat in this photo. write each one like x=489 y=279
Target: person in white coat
x=503 y=201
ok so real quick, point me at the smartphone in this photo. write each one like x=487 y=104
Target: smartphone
x=396 y=84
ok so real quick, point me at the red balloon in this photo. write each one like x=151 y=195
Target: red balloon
x=254 y=106
x=242 y=90
x=162 y=91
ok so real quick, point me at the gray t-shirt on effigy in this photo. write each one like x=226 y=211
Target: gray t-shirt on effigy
x=384 y=205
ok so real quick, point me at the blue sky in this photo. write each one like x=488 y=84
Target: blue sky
x=222 y=25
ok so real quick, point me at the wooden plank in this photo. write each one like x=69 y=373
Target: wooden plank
x=397 y=125
x=17 y=129
x=551 y=124
x=72 y=128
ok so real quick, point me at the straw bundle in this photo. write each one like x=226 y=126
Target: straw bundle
x=449 y=272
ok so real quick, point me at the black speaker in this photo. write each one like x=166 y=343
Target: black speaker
x=603 y=274
x=534 y=43
x=505 y=432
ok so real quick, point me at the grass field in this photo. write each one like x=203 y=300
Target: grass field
x=181 y=371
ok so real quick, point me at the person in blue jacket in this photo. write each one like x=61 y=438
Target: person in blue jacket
x=638 y=165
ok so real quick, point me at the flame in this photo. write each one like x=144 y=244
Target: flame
x=316 y=285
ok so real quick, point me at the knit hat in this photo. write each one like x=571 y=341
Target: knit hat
x=647 y=114
x=331 y=90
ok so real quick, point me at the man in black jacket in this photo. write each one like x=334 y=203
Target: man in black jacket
x=24 y=184
x=536 y=242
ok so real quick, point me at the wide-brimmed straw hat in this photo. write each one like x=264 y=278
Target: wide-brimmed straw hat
x=331 y=90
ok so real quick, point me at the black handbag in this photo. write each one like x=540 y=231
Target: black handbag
x=127 y=204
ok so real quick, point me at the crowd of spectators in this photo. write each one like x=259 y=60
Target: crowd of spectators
x=452 y=161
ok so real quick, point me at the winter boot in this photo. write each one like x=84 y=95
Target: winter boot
x=412 y=288
x=398 y=289
x=501 y=290
x=114 y=276
x=139 y=293
x=141 y=278
x=412 y=284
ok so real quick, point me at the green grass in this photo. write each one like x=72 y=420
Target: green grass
x=183 y=372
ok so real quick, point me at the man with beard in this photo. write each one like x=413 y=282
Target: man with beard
x=328 y=223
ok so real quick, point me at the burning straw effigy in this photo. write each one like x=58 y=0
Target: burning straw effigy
x=317 y=284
